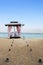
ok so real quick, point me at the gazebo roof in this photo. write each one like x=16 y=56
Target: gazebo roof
x=14 y=23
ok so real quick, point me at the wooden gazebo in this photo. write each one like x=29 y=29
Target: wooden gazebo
x=15 y=34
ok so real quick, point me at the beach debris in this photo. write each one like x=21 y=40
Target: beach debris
x=9 y=49
x=7 y=60
x=27 y=45
x=40 y=60
x=30 y=49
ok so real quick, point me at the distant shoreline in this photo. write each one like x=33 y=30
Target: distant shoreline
x=24 y=32
x=23 y=35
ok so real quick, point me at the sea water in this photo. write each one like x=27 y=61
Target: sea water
x=32 y=35
x=24 y=35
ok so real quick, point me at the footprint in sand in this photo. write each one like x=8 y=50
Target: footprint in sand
x=40 y=60
x=30 y=49
x=9 y=49
x=12 y=42
x=7 y=60
x=11 y=45
x=27 y=45
x=26 y=41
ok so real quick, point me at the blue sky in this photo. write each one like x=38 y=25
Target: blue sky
x=29 y=12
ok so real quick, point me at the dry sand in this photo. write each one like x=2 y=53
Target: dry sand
x=21 y=51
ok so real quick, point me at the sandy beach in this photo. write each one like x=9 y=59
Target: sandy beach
x=21 y=51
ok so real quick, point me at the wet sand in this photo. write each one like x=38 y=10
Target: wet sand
x=21 y=51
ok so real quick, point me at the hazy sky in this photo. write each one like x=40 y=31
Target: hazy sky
x=29 y=12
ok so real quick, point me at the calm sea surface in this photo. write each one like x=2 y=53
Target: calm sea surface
x=24 y=35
